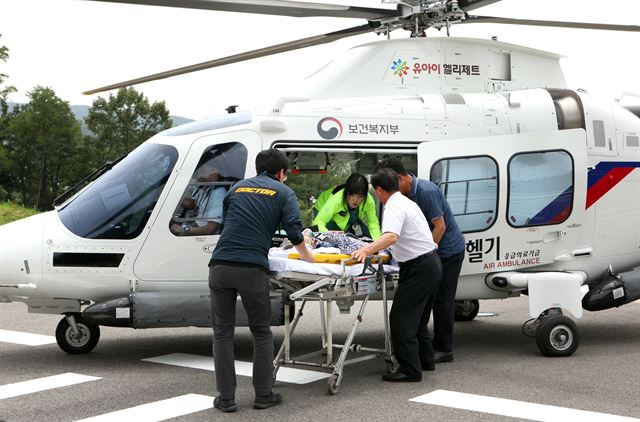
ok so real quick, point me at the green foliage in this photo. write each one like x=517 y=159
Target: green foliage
x=4 y=91
x=11 y=212
x=122 y=122
x=4 y=123
x=43 y=149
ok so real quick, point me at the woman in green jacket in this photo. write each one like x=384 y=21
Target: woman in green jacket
x=351 y=210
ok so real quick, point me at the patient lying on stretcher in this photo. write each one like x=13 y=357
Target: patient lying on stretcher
x=329 y=249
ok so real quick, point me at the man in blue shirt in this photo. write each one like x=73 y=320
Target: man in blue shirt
x=253 y=210
x=447 y=235
x=406 y=232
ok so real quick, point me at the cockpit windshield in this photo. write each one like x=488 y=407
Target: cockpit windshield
x=118 y=204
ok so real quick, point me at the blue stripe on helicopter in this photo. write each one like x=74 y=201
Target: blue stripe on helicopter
x=605 y=176
x=600 y=180
x=605 y=167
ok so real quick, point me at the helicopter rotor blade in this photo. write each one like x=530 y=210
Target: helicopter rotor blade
x=557 y=24
x=248 y=55
x=272 y=7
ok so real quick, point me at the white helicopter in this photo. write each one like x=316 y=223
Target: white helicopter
x=541 y=178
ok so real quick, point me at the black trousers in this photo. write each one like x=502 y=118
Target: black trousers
x=410 y=313
x=444 y=305
x=225 y=283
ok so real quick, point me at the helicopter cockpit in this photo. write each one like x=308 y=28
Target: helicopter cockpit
x=118 y=204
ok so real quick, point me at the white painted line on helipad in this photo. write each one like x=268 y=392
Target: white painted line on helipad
x=486 y=314
x=515 y=409
x=159 y=410
x=26 y=339
x=290 y=375
x=42 y=384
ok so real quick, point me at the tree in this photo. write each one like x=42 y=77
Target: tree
x=43 y=147
x=122 y=122
x=4 y=91
x=5 y=117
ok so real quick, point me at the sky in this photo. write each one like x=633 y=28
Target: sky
x=75 y=45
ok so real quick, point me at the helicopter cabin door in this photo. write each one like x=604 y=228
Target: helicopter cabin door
x=519 y=199
x=185 y=233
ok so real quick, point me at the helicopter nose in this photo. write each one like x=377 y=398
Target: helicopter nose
x=21 y=246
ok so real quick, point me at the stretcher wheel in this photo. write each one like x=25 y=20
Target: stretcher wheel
x=392 y=366
x=333 y=384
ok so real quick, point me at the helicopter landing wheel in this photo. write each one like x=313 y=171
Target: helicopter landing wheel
x=466 y=310
x=557 y=336
x=80 y=342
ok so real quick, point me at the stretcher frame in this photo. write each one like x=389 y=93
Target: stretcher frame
x=345 y=290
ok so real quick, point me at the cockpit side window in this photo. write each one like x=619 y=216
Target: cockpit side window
x=199 y=212
x=119 y=203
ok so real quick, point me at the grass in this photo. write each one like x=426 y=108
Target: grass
x=11 y=212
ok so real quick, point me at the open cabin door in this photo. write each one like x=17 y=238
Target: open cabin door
x=519 y=199
x=187 y=229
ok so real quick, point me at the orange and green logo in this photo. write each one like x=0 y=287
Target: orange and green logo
x=400 y=68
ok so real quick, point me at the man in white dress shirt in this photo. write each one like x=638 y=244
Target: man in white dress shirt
x=406 y=231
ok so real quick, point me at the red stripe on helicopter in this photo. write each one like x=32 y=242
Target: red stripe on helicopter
x=604 y=177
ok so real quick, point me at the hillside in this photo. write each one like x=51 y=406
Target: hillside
x=81 y=111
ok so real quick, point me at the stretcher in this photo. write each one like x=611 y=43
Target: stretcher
x=343 y=284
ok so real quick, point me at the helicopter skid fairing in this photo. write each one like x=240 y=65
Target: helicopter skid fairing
x=161 y=309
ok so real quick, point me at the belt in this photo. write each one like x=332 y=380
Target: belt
x=418 y=258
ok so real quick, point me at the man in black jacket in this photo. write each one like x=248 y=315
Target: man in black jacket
x=253 y=210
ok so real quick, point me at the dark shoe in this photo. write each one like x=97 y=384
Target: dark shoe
x=442 y=357
x=428 y=366
x=262 y=402
x=225 y=405
x=400 y=377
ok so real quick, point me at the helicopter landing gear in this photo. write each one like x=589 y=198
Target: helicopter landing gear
x=556 y=335
x=466 y=310
x=75 y=336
